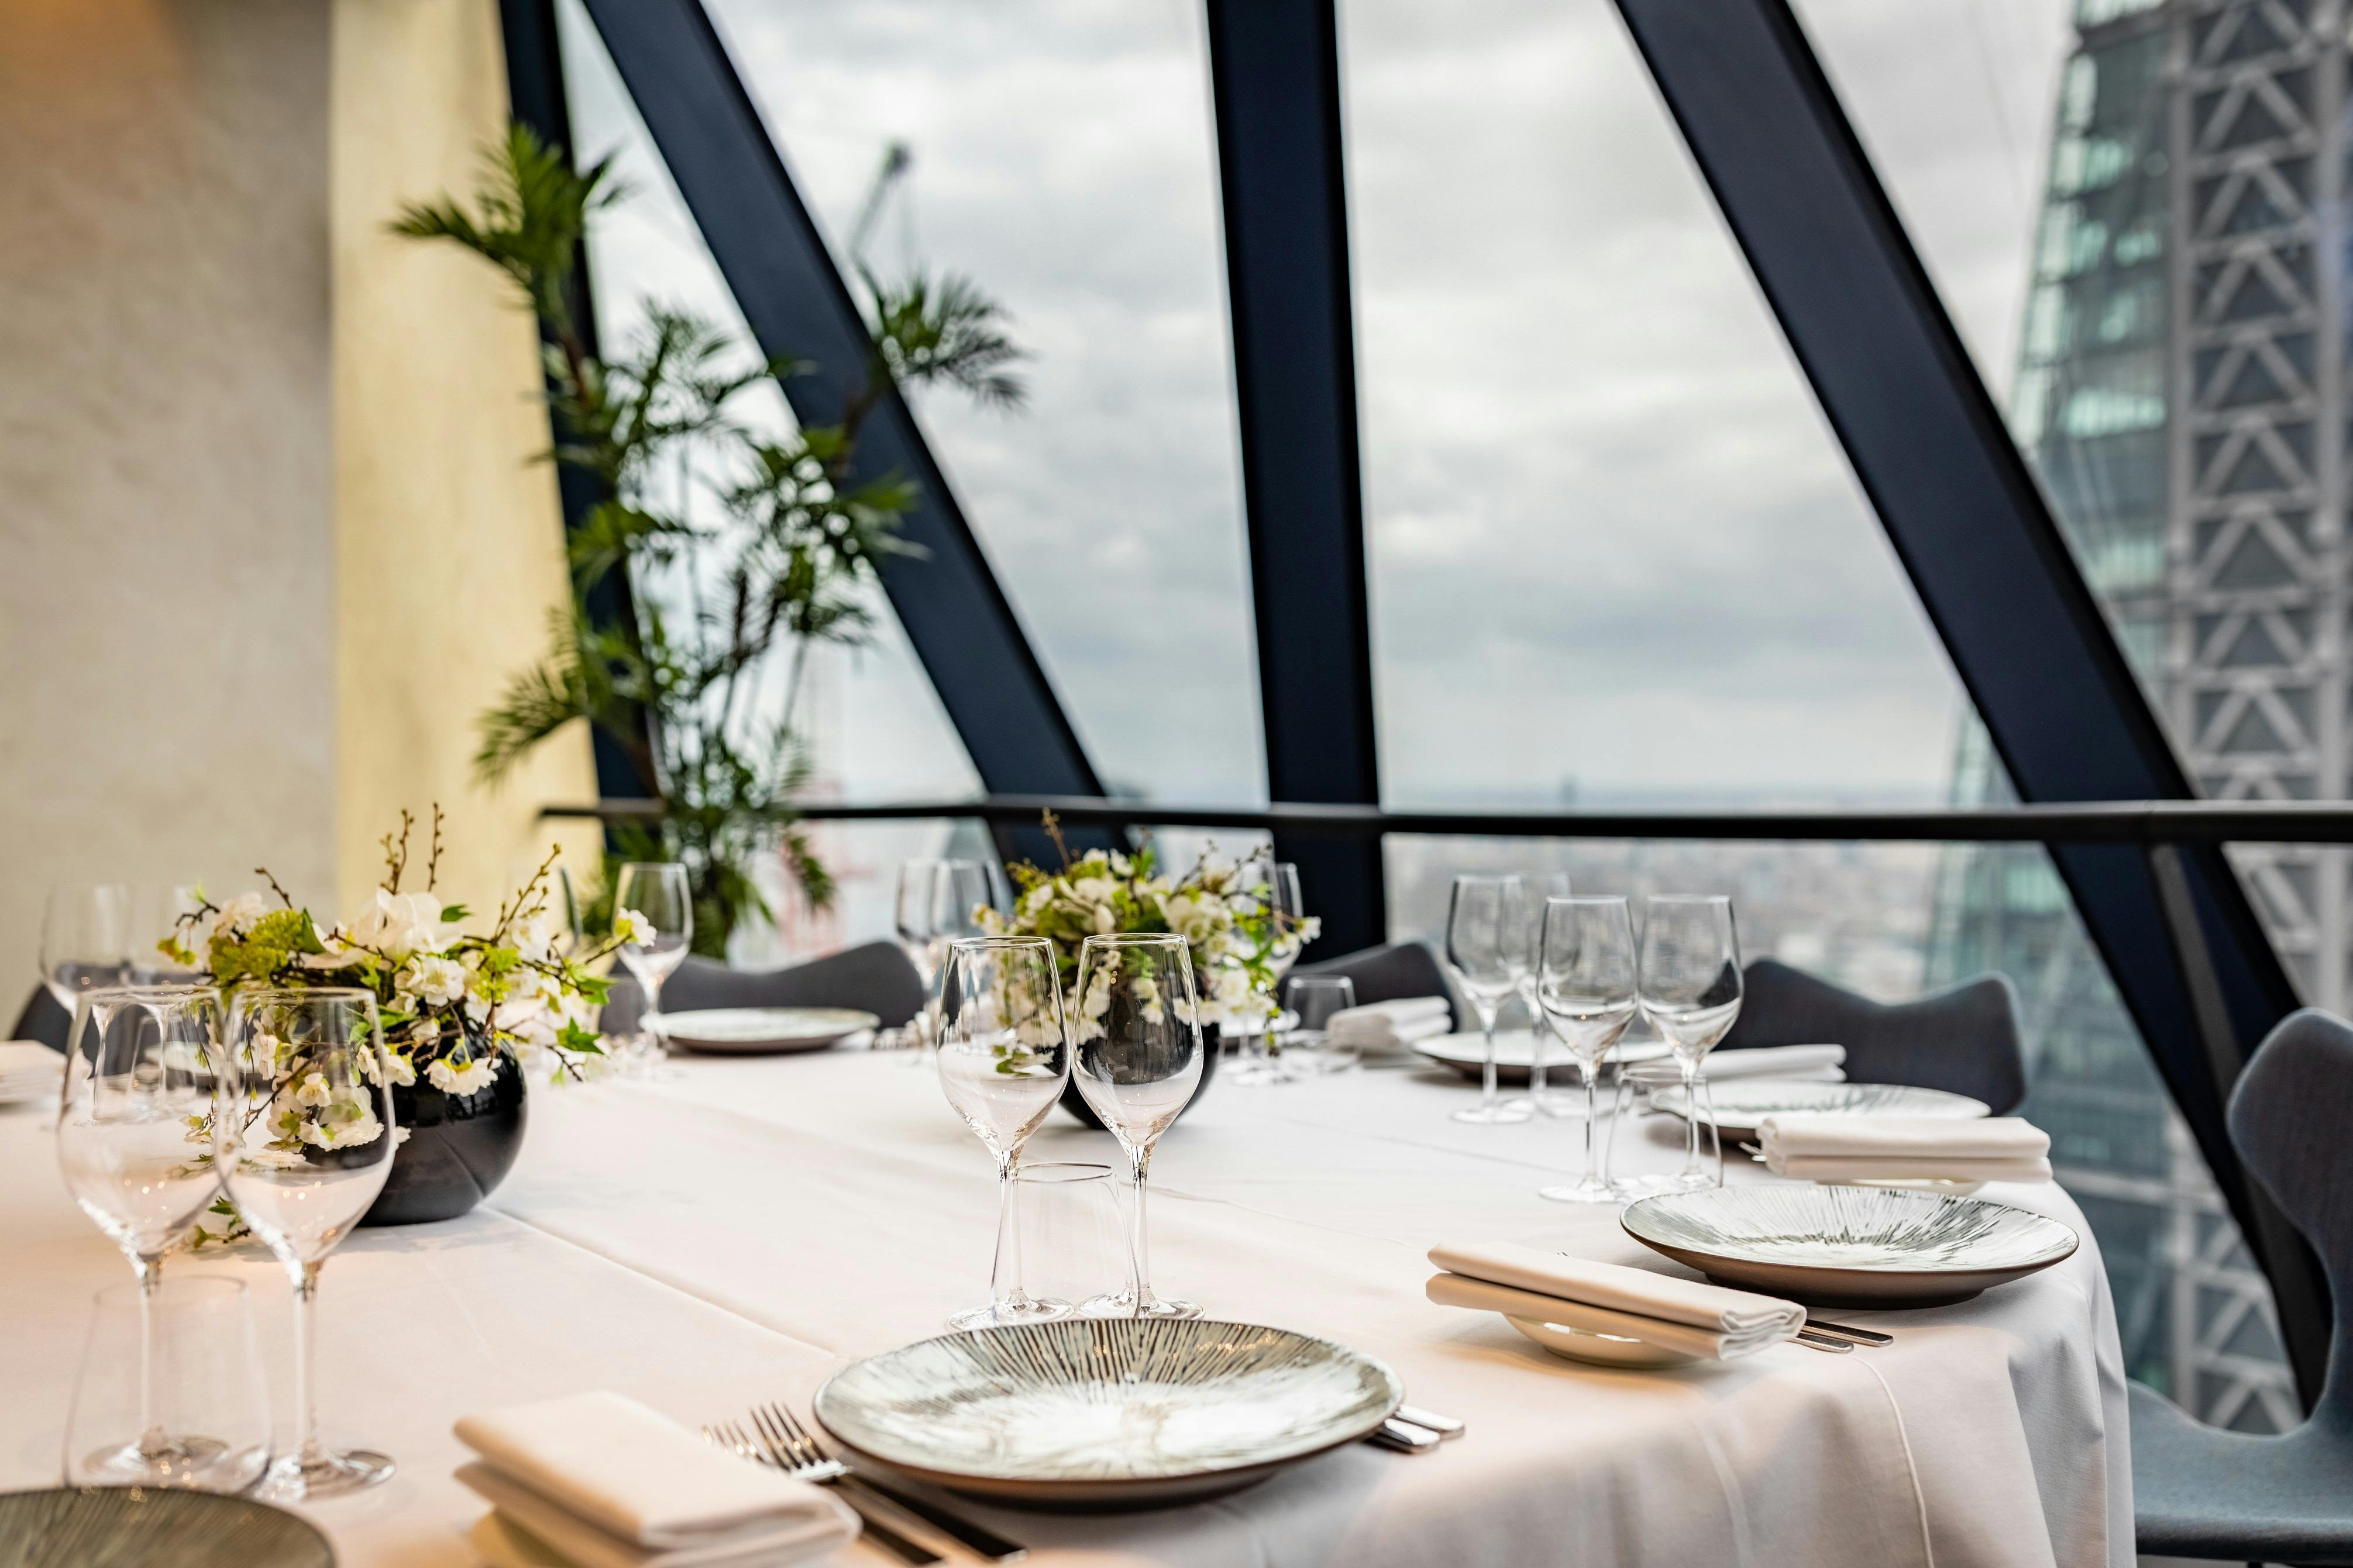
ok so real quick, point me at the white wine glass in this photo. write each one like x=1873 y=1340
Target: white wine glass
x=657 y=894
x=303 y=1135
x=85 y=940
x=1690 y=988
x=1486 y=951
x=159 y=915
x=1003 y=1057
x=1585 y=986
x=1536 y=889
x=1276 y=889
x=1136 y=1031
x=134 y=1146
x=916 y=915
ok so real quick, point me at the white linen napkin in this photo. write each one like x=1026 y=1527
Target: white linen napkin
x=1821 y=1064
x=612 y=1484
x=1818 y=1147
x=1379 y=1026
x=1686 y=1315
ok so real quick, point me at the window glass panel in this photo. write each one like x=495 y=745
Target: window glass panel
x=1063 y=156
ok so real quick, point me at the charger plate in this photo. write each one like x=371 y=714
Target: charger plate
x=1516 y=1051
x=1741 y=1103
x=1849 y=1246
x=1104 y=1414
x=139 y=1526
x=760 y=1031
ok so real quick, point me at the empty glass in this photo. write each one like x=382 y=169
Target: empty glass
x=303 y=1135
x=1065 y=1249
x=1690 y=988
x=181 y=1358
x=1586 y=988
x=1487 y=952
x=154 y=913
x=85 y=940
x=1316 y=997
x=1276 y=889
x=1137 y=1032
x=915 y=911
x=657 y=892
x=1536 y=889
x=1004 y=1056
x=134 y=1147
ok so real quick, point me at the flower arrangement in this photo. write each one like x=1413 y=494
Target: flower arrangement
x=1233 y=935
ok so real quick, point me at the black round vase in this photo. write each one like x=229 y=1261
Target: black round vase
x=1212 y=1047
x=460 y=1147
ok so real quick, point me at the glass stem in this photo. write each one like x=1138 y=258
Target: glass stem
x=150 y=1266
x=1488 y=1096
x=1592 y=1074
x=651 y=986
x=1540 y=1033
x=1691 y=1115
x=1142 y=1160
x=306 y=1363
x=1004 y=1277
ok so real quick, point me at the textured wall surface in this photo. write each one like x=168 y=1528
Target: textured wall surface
x=167 y=608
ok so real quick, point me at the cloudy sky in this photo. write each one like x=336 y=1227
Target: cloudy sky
x=1613 y=545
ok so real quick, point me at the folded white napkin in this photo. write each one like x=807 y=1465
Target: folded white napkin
x=1380 y=1024
x=609 y=1483
x=1685 y=1315
x=1822 y=1147
x=1816 y=1063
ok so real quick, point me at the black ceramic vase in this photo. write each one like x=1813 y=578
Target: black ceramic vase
x=1075 y=1102
x=460 y=1147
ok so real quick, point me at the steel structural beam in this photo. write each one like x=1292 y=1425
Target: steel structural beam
x=1274 y=70
x=767 y=246
x=1972 y=529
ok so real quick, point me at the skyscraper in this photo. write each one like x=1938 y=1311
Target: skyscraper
x=2181 y=392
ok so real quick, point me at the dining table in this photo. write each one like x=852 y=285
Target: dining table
x=736 y=1229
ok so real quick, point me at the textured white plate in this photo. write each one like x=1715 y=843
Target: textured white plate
x=1849 y=1245
x=1516 y=1049
x=1602 y=1350
x=1106 y=1413
x=1741 y=1103
x=760 y=1031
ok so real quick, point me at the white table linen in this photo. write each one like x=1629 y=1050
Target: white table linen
x=740 y=1232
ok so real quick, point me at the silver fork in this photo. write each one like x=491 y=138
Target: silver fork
x=824 y=1472
x=777 y=1424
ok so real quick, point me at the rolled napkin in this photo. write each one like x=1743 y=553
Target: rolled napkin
x=1825 y=1064
x=1826 y=1147
x=1685 y=1315
x=1389 y=1026
x=608 y=1483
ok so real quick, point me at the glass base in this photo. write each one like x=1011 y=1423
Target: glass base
x=1692 y=1182
x=160 y=1459
x=1498 y=1114
x=1259 y=1073
x=1161 y=1307
x=1314 y=1061
x=1569 y=1105
x=1595 y=1192
x=1026 y=1310
x=297 y=1478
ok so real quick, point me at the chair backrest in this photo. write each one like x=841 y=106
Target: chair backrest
x=2289 y=1119
x=1964 y=1040
x=1392 y=972
x=877 y=978
x=45 y=1020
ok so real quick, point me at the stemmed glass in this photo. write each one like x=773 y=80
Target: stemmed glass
x=1137 y=1029
x=1536 y=890
x=1486 y=951
x=656 y=891
x=1316 y=998
x=1004 y=1055
x=85 y=940
x=303 y=1135
x=915 y=913
x=1585 y=985
x=1690 y=987
x=140 y=1080
x=1279 y=898
x=155 y=912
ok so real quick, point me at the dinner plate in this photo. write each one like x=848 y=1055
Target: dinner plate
x=138 y=1527
x=760 y=1031
x=1849 y=1246
x=1105 y=1414
x=1516 y=1048
x=1741 y=1103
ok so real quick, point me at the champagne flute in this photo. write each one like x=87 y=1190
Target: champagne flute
x=657 y=893
x=134 y=1148
x=1004 y=1055
x=1536 y=890
x=1137 y=1029
x=303 y=1135
x=1690 y=989
x=1486 y=951
x=1585 y=985
x=85 y=940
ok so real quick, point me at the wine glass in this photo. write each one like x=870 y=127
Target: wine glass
x=135 y=1150
x=303 y=1136
x=916 y=914
x=1585 y=986
x=153 y=921
x=1316 y=998
x=1137 y=1033
x=960 y=890
x=1004 y=1055
x=657 y=893
x=1486 y=951
x=85 y=940
x=1690 y=990
x=1277 y=892
x=1536 y=889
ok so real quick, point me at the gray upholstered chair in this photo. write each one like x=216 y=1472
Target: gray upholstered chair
x=44 y=1020
x=1964 y=1040
x=1392 y=972
x=877 y=978
x=2203 y=1493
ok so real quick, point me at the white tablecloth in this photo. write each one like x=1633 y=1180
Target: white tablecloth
x=738 y=1232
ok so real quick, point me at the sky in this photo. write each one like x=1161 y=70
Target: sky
x=1614 y=554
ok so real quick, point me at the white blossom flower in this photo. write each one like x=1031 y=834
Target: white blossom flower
x=312 y=1090
x=436 y=980
x=1093 y=889
x=467 y=1078
x=398 y=924
x=268 y=1159
x=399 y=1068
x=399 y=1136
x=629 y=925
x=238 y=916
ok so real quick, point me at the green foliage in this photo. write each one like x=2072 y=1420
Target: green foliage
x=803 y=530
